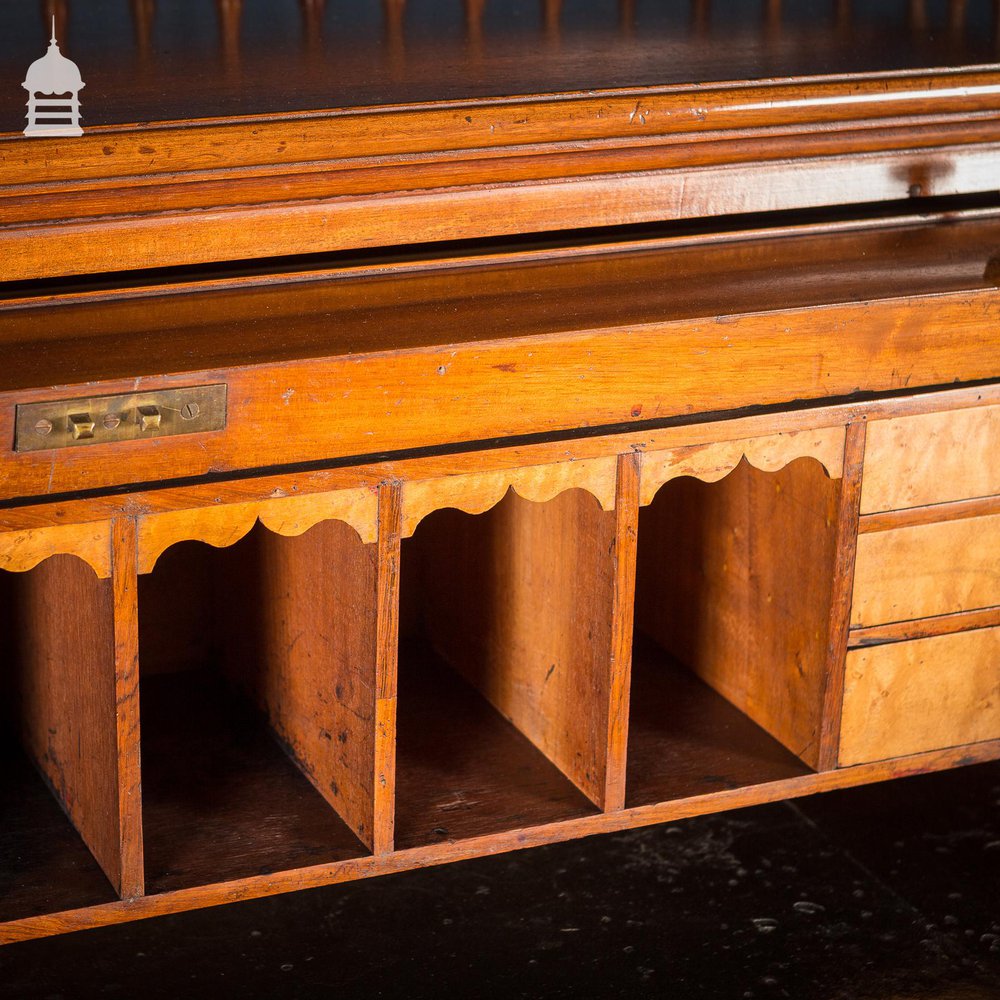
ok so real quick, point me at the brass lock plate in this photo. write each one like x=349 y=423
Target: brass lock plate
x=67 y=423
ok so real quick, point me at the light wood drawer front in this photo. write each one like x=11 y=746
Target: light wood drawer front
x=931 y=458
x=906 y=697
x=927 y=569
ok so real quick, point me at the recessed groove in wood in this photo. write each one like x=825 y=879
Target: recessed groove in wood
x=922 y=628
x=46 y=866
x=462 y=770
x=686 y=740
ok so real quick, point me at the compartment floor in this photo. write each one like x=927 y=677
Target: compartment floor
x=685 y=739
x=221 y=800
x=44 y=865
x=461 y=769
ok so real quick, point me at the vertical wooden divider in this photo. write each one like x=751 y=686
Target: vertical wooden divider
x=386 y=662
x=622 y=618
x=848 y=519
x=532 y=604
x=79 y=699
x=310 y=637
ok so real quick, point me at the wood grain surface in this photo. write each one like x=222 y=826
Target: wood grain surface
x=922 y=570
x=906 y=697
x=933 y=458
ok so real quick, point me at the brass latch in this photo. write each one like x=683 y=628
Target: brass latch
x=67 y=423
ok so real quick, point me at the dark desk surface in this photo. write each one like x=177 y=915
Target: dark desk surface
x=147 y=61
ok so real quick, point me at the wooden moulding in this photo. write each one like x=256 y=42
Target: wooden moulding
x=455 y=170
x=226 y=524
x=769 y=453
x=477 y=492
x=78 y=697
x=90 y=542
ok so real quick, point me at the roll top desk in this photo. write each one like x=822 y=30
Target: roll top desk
x=430 y=433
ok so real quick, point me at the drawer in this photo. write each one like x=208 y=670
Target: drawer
x=923 y=570
x=906 y=697
x=931 y=458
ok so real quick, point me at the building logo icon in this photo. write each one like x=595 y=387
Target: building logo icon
x=53 y=84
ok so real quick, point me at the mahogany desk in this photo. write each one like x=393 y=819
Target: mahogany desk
x=397 y=469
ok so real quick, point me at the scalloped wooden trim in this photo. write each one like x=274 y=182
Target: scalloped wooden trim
x=477 y=492
x=21 y=551
x=225 y=525
x=712 y=462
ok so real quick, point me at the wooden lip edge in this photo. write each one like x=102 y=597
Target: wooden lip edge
x=936 y=513
x=354 y=869
x=927 y=73
x=826 y=412
x=502 y=258
x=867 y=636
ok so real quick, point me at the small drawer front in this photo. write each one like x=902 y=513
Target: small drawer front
x=924 y=570
x=907 y=697
x=931 y=458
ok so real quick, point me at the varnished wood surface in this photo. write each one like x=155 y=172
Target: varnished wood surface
x=148 y=62
x=76 y=709
x=923 y=570
x=925 y=694
x=603 y=349
x=520 y=601
x=461 y=769
x=933 y=458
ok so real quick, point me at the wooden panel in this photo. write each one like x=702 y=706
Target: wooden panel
x=735 y=579
x=322 y=410
x=845 y=553
x=907 y=697
x=302 y=641
x=521 y=602
x=77 y=682
x=932 y=458
x=927 y=569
